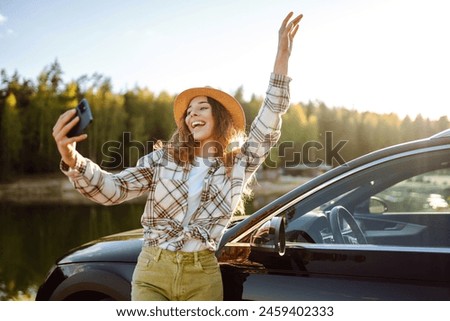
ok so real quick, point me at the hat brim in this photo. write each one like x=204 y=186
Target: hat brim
x=230 y=103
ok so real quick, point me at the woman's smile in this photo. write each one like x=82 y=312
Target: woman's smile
x=199 y=119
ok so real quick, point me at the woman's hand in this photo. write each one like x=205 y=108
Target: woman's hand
x=67 y=145
x=286 y=36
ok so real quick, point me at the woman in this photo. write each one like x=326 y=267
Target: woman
x=194 y=183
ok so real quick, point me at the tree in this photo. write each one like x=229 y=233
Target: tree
x=161 y=115
x=46 y=104
x=443 y=123
x=109 y=121
x=251 y=108
x=139 y=124
x=297 y=135
x=10 y=138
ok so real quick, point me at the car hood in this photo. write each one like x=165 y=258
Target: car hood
x=122 y=247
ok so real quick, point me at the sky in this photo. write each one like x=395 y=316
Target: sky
x=369 y=55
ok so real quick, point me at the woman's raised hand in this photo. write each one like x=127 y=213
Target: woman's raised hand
x=286 y=36
x=67 y=145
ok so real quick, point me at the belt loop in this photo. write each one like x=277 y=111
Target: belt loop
x=195 y=257
x=158 y=254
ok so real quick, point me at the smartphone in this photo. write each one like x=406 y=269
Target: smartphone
x=85 y=114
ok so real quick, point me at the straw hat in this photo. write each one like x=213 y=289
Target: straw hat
x=230 y=103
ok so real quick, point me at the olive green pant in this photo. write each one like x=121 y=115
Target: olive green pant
x=162 y=275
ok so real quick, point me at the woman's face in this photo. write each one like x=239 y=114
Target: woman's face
x=199 y=119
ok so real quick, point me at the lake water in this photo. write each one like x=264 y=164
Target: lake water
x=33 y=237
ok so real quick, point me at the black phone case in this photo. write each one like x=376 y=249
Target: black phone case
x=85 y=114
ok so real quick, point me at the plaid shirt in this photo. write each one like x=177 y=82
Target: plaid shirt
x=167 y=182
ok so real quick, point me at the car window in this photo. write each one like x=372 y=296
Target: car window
x=424 y=193
x=402 y=201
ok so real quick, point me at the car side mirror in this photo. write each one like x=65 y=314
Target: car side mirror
x=377 y=205
x=270 y=237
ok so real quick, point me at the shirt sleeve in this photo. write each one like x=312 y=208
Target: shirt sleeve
x=107 y=188
x=265 y=130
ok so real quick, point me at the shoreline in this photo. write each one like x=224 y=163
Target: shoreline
x=41 y=189
x=55 y=188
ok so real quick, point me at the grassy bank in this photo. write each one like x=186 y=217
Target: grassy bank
x=56 y=188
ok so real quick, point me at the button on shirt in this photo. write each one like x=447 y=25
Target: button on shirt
x=167 y=183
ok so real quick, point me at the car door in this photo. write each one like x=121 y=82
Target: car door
x=405 y=255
